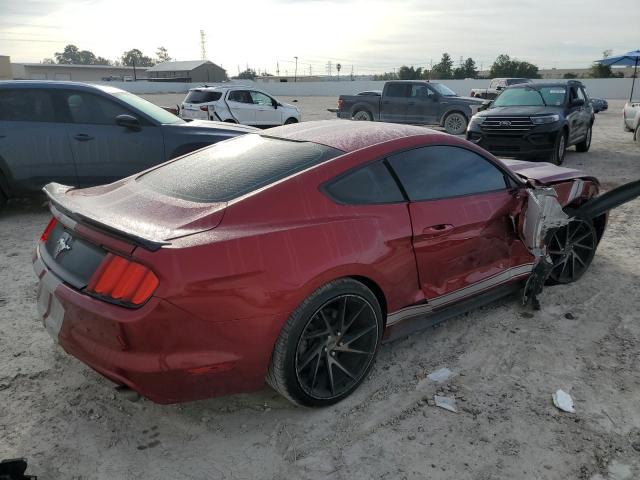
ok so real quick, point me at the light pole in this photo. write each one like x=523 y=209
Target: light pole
x=338 y=67
x=295 y=75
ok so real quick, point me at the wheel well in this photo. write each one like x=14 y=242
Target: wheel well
x=377 y=291
x=292 y=119
x=360 y=107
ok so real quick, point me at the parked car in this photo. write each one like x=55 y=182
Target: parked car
x=238 y=104
x=292 y=253
x=533 y=120
x=631 y=119
x=84 y=135
x=496 y=86
x=413 y=102
x=599 y=105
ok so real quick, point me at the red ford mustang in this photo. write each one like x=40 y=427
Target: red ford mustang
x=290 y=254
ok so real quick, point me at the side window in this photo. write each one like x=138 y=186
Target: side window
x=397 y=90
x=91 y=109
x=430 y=173
x=582 y=95
x=259 y=98
x=240 y=96
x=421 y=91
x=370 y=184
x=22 y=105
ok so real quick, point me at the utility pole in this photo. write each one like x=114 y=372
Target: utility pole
x=310 y=70
x=352 y=73
x=134 y=69
x=329 y=68
x=277 y=69
x=203 y=50
x=295 y=75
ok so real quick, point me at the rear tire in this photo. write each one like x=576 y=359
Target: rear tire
x=362 y=116
x=559 y=149
x=455 y=123
x=291 y=120
x=328 y=344
x=584 y=145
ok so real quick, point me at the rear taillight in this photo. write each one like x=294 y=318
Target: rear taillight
x=122 y=281
x=47 y=231
x=204 y=108
x=340 y=103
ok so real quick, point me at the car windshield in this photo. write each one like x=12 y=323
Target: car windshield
x=443 y=90
x=235 y=167
x=158 y=114
x=530 y=97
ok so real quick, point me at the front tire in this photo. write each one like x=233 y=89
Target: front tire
x=290 y=120
x=363 y=116
x=584 y=145
x=559 y=149
x=455 y=123
x=328 y=344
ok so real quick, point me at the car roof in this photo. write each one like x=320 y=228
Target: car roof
x=57 y=84
x=347 y=135
x=547 y=84
x=214 y=88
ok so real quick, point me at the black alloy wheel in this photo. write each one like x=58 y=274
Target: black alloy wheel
x=336 y=347
x=572 y=248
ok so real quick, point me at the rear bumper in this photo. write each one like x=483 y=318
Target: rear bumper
x=158 y=350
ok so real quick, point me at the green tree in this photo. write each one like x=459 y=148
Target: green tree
x=386 y=76
x=466 y=70
x=569 y=75
x=135 y=56
x=248 y=74
x=70 y=55
x=409 y=73
x=163 y=55
x=48 y=61
x=505 y=66
x=598 y=70
x=444 y=69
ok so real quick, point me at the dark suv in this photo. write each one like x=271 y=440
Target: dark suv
x=79 y=134
x=535 y=120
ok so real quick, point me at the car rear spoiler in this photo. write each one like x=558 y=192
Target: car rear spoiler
x=60 y=206
x=607 y=201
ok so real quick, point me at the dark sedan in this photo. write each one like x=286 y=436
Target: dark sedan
x=86 y=135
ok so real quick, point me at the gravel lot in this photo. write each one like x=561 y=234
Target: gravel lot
x=508 y=361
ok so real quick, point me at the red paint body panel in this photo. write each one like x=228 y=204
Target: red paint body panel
x=232 y=274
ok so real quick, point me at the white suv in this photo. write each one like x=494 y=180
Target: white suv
x=237 y=104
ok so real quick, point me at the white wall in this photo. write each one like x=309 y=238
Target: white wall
x=611 y=88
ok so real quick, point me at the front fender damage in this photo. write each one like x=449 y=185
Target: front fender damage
x=544 y=214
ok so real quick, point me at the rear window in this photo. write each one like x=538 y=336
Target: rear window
x=202 y=96
x=235 y=167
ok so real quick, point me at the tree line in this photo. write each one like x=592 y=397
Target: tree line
x=72 y=55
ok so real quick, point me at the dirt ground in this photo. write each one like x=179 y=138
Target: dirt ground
x=508 y=360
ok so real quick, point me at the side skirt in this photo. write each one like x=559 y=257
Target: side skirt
x=425 y=320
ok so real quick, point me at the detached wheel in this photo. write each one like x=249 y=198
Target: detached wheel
x=559 y=149
x=328 y=344
x=572 y=248
x=584 y=145
x=455 y=123
x=363 y=116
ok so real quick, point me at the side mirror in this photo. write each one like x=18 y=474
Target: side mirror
x=577 y=102
x=128 y=121
x=486 y=104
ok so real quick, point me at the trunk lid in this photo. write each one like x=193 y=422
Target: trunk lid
x=133 y=212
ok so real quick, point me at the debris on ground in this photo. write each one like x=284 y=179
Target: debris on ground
x=440 y=375
x=448 y=403
x=563 y=401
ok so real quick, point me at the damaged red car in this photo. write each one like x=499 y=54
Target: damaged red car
x=289 y=255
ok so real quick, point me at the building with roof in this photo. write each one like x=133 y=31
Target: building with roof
x=75 y=73
x=5 y=68
x=192 y=71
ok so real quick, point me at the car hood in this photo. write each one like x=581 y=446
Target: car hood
x=130 y=209
x=288 y=105
x=545 y=173
x=465 y=100
x=520 y=111
x=207 y=126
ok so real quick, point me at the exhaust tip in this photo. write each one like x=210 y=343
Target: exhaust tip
x=127 y=393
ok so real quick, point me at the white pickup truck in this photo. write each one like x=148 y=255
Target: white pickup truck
x=631 y=119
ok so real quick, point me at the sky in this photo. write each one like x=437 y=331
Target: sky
x=369 y=36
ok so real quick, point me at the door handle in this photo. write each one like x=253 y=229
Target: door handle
x=83 y=137
x=435 y=230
